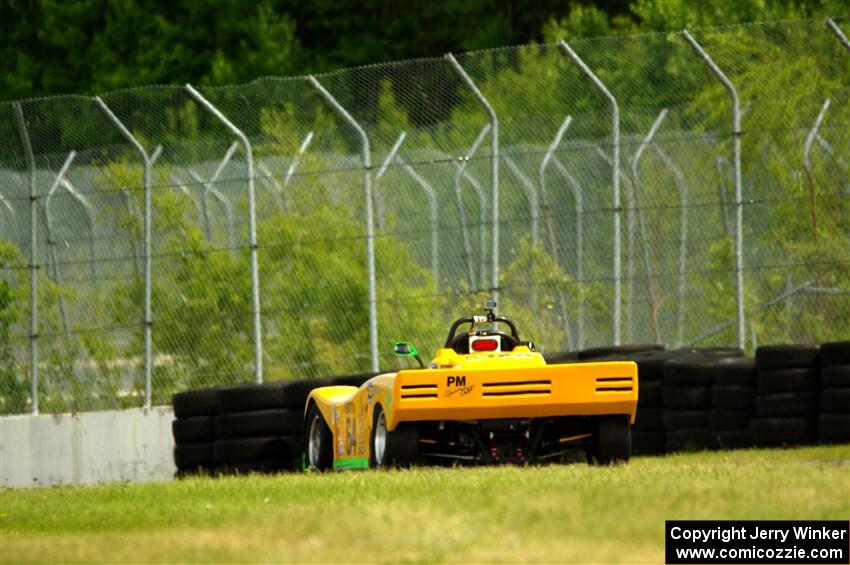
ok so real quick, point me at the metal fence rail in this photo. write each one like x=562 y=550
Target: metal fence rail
x=685 y=188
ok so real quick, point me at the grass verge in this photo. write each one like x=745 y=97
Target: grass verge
x=573 y=513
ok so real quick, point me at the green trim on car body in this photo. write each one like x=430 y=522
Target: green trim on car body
x=351 y=464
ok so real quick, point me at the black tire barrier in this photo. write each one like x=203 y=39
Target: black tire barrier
x=560 y=357
x=735 y=371
x=835 y=353
x=790 y=405
x=716 y=352
x=246 y=450
x=685 y=419
x=773 y=357
x=649 y=393
x=729 y=420
x=834 y=376
x=191 y=403
x=686 y=397
x=651 y=364
x=276 y=422
x=689 y=370
x=351 y=380
x=783 y=431
x=688 y=440
x=648 y=442
x=835 y=401
x=597 y=352
x=649 y=419
x=197 y=429
x=733 y=397
x=194 y=456
x=276 y=394
x=834 y=428
x=787 y=380
x=732 y=439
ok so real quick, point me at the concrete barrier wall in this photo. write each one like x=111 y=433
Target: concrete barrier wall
x=86 y=448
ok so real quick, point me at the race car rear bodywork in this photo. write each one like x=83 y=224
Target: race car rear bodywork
x=474 y=406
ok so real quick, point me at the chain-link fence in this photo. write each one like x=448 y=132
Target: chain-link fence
x=163 y=238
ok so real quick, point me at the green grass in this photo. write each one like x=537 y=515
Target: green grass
x=573 y=513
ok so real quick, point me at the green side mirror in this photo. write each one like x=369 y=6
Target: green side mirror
x=404 y=349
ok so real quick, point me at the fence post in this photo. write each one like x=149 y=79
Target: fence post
x=148 y=318
x=435 y=216
x=494 y=149
x=578 y=194
x=379 y=200
x=33 y=267
x=615 y=164
x=11 y=210
x=531 y=193
x=460 y=172
x=736 y=164
x=370 y=222
x=653 y=304
x=833 y=27
x=51 y=243
x=682 y=184
x=252 y=228
x=209 y=188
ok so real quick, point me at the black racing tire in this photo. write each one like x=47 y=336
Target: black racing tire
x=192 y=403
x=787 y=405
x=318 y=441
x=834 y=428
x=719 y=352
x=243 y=450
x=693 y=439
x=611 y=441
x=835 y=353
x=733 y=397
x=351 y=380
x=732 y=439
x=787 y=380
x=649 y=393
x=651 y=365
x=197 y=429
x=274 y=395
x=690 y=370
x=835 y=376
x=774 y=357
x=726 y=420
x=261 y=423
x=835 y=401
x=401 y=447
x=686 y=397
x=624 y=350
x=194 y=456
x=685 y=419
x=735 y=371
x=648 y=442
x=560 y=357
x=783 y=431
x=649 y=419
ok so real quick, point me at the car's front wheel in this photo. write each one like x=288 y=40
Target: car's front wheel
x=319 y=445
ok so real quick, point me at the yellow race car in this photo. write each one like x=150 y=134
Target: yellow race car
x=486 y=397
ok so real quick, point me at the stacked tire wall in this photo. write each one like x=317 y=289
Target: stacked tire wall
x=834 y=418
x=244 y=428
x=733 y=402
x=787 y=402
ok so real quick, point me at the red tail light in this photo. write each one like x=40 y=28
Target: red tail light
x=485 y=345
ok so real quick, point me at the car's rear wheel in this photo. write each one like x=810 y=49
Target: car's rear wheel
x=612 y=440
x=319 y=444
x=392 y=448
